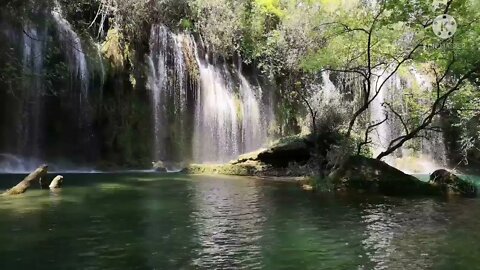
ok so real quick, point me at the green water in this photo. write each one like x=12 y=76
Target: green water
x=147 y=221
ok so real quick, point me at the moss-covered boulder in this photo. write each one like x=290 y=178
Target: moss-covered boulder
x=293 y=149
x=450 y=183
x=247 y=168
x=372 y=175
x=287 y=157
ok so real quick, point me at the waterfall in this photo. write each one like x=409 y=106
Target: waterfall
x=158 y=83
x=80 y=109
x=30 y=142
x=254 y=128
x=169 y=81
x=30 y=126
x=102 y=67
x=382 y=135
x=230 y=117
x=431 y=153
x=72 y=45
x=202 y=110
x=217 y=115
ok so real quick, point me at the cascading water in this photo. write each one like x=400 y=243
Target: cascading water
x=170 y=82
x=227 y=118
x=72 y=45
x=216 y=115
x=102 y=67
x=29 y=125
x=382 y=135
x=157 y=83
x=28 y=141
x=254 y=128
x=431 y=154
x=227 y=122
x=33 y=66
x=80 y=107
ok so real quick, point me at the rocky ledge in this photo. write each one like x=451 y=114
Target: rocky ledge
x=285 y=158
x=291 y=158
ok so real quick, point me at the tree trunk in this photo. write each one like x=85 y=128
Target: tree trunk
x=39 y=174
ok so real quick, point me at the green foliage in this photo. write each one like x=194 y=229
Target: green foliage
x=464 y=106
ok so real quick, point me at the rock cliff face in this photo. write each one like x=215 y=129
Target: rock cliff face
x=60 y=100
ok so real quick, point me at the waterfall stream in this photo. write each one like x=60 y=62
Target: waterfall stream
x=72 y=45
x=430 y=154
x=170 y=83
x=30 y=126
x=230 y=116
x=35 y=96
x=227 y=119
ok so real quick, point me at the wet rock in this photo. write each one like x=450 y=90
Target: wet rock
x=169 y=166
x=287 y=157
x=452 y=184
x=57 y=182
x=246 y=168
x=159 y=166
x=293 y=149
x=372 y=175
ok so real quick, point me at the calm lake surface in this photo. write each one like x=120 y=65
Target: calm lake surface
x=150 y=221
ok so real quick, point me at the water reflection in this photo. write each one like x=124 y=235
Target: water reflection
x=229 y=222
x=403 y=235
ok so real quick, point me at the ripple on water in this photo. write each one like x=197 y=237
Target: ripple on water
x=230 y=223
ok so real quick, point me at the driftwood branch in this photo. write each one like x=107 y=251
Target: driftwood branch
x=36 y=176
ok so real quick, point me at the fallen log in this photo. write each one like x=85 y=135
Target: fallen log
x=36 y=176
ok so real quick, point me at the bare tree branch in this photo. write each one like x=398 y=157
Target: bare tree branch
x=369 y=129
x=437 y=107
x=398 y=115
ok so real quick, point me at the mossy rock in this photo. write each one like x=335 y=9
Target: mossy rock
x=450 y=183
x=372 y=175
x=282 y=152
x=243 y=169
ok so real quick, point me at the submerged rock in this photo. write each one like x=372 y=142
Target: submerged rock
x=450 y=183
x=372 y=175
